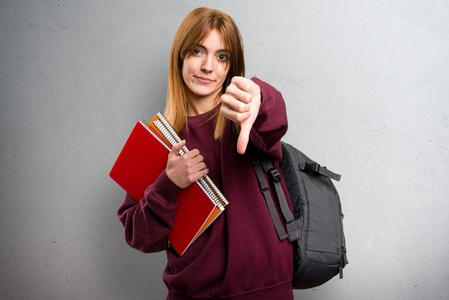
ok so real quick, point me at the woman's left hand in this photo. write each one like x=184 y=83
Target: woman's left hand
x=241 y=104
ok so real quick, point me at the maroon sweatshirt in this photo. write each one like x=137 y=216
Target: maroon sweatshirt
x=239 y=256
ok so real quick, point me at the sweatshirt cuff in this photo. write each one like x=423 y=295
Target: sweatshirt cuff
x=165 y=189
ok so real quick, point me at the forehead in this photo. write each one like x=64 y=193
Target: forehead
x=214 y=40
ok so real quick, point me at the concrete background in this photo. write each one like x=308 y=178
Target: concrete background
x=366 y=85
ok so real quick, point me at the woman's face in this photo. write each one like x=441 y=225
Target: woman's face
x=205 y=69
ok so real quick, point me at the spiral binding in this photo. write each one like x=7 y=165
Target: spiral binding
x=205 y=182
x=173 y=140
x=171 y=130
x=145 y=125
x=178 y=139
x=166 y=134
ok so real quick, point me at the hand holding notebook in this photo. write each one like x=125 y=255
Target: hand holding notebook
x=140 y=163
x=186 y=170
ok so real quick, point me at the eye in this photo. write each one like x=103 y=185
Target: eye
x=222 y=57
x=197 y=51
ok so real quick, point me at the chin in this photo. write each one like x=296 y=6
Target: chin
x=203 y=93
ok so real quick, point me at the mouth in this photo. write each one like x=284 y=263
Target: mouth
x=203 y=79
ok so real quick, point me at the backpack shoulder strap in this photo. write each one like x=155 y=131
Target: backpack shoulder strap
x=264 y=165
x=263 y=184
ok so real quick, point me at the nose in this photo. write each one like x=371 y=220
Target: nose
x=208 y=64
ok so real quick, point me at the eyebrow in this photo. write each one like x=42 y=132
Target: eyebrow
x=202 y=46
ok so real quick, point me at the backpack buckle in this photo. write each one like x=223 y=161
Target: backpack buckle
x=318 y=169
x=310 y=167
x=275 y=174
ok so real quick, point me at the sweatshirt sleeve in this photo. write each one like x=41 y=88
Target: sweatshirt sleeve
x=148 y=222
x=271 y=123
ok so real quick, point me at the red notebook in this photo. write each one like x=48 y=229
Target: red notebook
x=143 y=158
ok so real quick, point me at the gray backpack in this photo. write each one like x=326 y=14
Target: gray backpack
x=316 y=226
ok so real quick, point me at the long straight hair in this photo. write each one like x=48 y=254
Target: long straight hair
x=192 y=31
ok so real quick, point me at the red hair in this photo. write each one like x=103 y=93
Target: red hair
x=192 y=31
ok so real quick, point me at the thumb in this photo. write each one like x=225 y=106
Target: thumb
x=176 y=147
x=242 y=142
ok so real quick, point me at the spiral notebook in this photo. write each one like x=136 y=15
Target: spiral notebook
x=141 y=161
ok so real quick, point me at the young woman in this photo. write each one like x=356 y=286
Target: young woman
x=222 y=116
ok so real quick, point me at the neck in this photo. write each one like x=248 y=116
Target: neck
x=200 y=105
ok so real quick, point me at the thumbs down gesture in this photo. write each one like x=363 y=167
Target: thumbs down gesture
x=240 y=103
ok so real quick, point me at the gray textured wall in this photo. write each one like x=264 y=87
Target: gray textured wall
x=366 y=84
